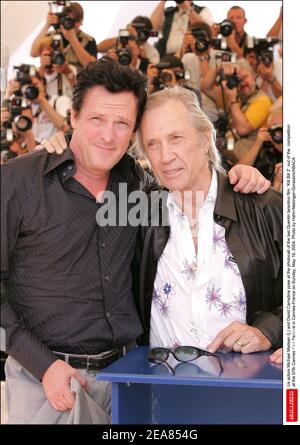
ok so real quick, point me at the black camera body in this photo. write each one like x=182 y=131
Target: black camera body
x=143 y=32
x=124 y=53
x=62 y=10
x=233 y=80
x=202 y=39
x=164 y=76
x=219 y=44
x=267 y=159
x=57 y=57
x=65 y=21
x=23 y=76
x=263 y=48
x=15 y=106
x=276 y=133
x=226 y=27
x=265 y=57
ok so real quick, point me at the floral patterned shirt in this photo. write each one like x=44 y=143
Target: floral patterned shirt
x=195 y=296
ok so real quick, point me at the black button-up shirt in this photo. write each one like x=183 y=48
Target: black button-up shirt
x=67 y=282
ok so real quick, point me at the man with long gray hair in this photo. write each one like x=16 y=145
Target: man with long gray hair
x=211 y=275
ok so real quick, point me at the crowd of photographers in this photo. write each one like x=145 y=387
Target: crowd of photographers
x=236 y=77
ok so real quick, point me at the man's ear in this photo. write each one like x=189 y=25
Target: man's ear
x=73 y=118
x=206 y=142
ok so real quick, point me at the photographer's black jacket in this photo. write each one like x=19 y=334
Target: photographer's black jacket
x=161 y=45
x=253 y=225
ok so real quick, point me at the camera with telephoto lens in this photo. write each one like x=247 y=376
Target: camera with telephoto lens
x=143 y=32
x=6 y=142
x=265 y=57
x=124 y=53
x=165 y=77
x=62 y=10
x=276 y=133
x=232 y=80
x=267 y=159
x=23 y=76
x=226 y=27
x=7 y=137
x=202 y=39
x=263 y=48
x=57 y=57
x=15 y=106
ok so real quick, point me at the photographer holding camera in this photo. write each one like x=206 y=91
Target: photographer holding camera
x=247 y=107
x=270 y=75
x=232 y=30
x=198 y=57
x=59 y=75
x=15 y=140
x=260 y=54
x=79 y=47
x=266 y=153
x=44 y=114
x=141 y=27
x=175 y=21
x=127 y=52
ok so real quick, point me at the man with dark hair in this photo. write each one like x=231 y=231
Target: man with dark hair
x=140 y=27
x=67 y=301
x=79 y=47
x=67 y=307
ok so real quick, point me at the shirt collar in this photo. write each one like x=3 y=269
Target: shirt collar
x=54 y=161
x=210 y=199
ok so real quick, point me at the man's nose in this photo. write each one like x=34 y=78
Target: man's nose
x=167 y=154
x=107 y=133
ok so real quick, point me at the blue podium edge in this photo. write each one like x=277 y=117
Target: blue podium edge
x=173 y=380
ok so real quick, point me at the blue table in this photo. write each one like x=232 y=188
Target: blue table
x=249 y=391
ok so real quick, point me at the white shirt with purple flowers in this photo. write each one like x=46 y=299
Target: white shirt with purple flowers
x=195 y=296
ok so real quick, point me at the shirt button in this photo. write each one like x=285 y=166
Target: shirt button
x=107 y=278
x=70 y=167
x=102 y=244
x=108 y=314
x=64 y=174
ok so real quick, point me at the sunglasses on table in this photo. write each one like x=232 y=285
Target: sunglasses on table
x=182 y=354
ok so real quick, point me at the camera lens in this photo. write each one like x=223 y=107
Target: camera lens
x=57 y=58
x=23 y=123
x=226 y=28
x=30 y=92
x=68 y=23
x=142 y=35
x=201 y=45
x=276 y=134
x=124 y=56
x=165 y=76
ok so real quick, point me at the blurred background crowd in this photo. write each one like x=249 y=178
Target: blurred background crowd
x=236 y=76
